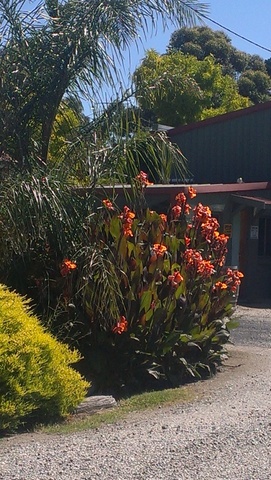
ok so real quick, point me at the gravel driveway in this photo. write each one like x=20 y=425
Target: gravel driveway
x=224 y=434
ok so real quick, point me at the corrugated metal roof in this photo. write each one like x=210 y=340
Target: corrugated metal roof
x=159 y=189
x=258 y=202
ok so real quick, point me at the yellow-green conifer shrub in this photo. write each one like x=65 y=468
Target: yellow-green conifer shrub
x=36 y=379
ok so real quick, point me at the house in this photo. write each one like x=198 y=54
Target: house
x=222 y=149
x=229 y=163
x=229 y=157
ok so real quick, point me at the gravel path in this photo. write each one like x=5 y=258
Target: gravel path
x=224 y=434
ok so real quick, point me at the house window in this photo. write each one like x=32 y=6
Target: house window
x=264 y=244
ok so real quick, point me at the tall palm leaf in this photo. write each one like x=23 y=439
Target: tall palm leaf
x=120 y=144
x=63 y=45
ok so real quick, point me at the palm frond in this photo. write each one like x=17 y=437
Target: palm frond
x=36 y=207
x=58 y=46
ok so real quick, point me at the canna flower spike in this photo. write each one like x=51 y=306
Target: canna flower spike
x=142 y=177
x=122 y=326
x=107 y=204
x=66 y=267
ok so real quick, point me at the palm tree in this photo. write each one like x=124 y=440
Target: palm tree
x=65 y=46
x=58 y=49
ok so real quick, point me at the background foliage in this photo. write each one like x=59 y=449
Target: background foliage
x=179 y=88
x=251 y=72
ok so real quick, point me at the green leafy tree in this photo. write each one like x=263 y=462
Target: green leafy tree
x=203 y=41
x=182 y=89
x=250 y=71
x=255 y=84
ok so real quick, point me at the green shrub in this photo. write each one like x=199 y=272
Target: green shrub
x=158 y=295
x=36 y=380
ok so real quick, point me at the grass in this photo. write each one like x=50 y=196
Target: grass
x=135 y=403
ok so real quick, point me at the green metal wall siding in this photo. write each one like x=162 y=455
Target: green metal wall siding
x=233 y=148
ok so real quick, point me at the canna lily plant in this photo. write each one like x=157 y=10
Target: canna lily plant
x=169 y=315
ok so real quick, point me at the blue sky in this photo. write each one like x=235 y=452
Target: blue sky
x=248 y=18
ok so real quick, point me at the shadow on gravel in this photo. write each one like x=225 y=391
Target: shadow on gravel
x=261 y=304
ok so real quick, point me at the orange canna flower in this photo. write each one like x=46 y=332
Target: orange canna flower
x=187 y=208
x=127 y=213
x=233 y=279
x=159 y=249
x=143 y=178
x=108 y=204
x=175 y=279
x=205 y=268
x=192 y=192
x=163 y=217
x=176 y=211
x=66 y=267
x=127 y=232
x=122 y=326
x=181 y=206
x=220 y=286
x=202 y=214
x=187 y=241
x=219 y=247
x=127 y=217
x=209 y=229
x=180 y=198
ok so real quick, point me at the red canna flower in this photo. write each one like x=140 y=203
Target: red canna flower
x=108 y=204
x=127 y=217
x=66 y=267
x=142 y=177
x=176 y=211
x=192 y=192
x=159 y=249
x=163 y=217
x=175 y=279
x=122 y=326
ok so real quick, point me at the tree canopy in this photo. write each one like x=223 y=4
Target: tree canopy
x=180 y=89
x=251 y=72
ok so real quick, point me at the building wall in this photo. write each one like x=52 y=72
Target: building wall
x=256 y=284
x=227 y=147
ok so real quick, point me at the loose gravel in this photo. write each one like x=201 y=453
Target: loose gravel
x=225 y=433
